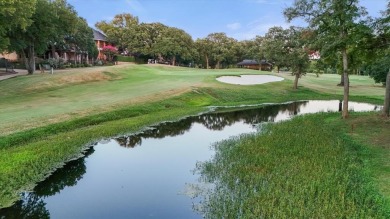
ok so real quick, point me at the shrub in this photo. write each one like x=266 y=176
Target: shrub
x=126 y=58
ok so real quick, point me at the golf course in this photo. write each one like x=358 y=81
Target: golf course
x=316 y=165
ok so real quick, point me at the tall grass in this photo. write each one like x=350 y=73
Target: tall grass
x=304 y=168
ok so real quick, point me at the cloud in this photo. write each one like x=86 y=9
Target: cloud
x=234 y=26
x=258 y=27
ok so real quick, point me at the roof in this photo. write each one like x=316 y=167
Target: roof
x=97 y=35
x=253 y=62
x=248 y=62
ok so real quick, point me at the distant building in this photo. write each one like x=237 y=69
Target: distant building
x=101 y=41
x=253 y=64
x=10 y=56
x=314 y=55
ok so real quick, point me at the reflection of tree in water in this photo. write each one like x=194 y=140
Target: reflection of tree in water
x=157 y=132
x=32 y=205
x=69 y=175
x=212 y=121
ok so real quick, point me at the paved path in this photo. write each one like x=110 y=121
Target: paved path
x=11 y=75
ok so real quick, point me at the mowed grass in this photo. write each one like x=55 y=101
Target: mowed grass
x=303 y=168
x=49 y=119
x=31 y=101
x=359 y=85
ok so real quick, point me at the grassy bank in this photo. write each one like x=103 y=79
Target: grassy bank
x=304 y=168
x=27 y=157
x=49 y=119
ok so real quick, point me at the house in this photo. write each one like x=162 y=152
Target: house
x=101 y=41
x=314 y=55
x=71 y=55
x=253 y=64
x=10 y=56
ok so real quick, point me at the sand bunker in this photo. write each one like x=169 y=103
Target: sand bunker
x=249 y=79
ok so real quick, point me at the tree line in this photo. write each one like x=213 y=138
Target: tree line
x=33 y=27
x=348 y=40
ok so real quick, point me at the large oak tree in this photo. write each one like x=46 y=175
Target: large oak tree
x=334 y=21
x=14 y=14
x=51 y=23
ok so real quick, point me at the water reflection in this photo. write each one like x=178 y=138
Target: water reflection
x=32 y=205
x=146 y=169
x=213 y=121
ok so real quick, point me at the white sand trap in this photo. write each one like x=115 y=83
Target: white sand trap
x=249 y=79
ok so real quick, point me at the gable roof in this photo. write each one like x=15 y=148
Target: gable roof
x=97 y=35
x=253 y=62
x=248 y=62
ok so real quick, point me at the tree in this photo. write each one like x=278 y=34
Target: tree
x=203 y=48
x=296 y=51
x=122 y=31
x=254 y=49
x=34 y=39
x=81 y=40
x=378 y=66
x=273 y=46
x=175 y=44
x=147 y=37
x=386 y=30
x=64 y=13
x=333 y=21
x=109 y=51
x=50 y=25
x=221 y=47
x=386 y=104
x=385 y=35
x=14 y=14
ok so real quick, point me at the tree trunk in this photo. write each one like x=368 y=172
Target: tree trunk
x=345 y=113
x=278 y=68
x=173 y=61
x=217 y=66
x=29 y=59
x=386 y=103
x=207 y=62
x=342 y=79
x=296 y=81
x=53 y=51
x=24 y=58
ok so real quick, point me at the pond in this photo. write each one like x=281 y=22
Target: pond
x=249 y=79
x=149 y=174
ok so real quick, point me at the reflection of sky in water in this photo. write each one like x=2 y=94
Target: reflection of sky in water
x=141 y=182
x=315 y=106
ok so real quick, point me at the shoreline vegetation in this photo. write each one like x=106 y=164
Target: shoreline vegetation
x=311 y=166
x=50 y=119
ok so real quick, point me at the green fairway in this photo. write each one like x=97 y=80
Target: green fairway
x=49 y=119
x=31 y=101
x=359 y=85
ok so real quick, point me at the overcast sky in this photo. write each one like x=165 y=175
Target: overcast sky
x=241 y=19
